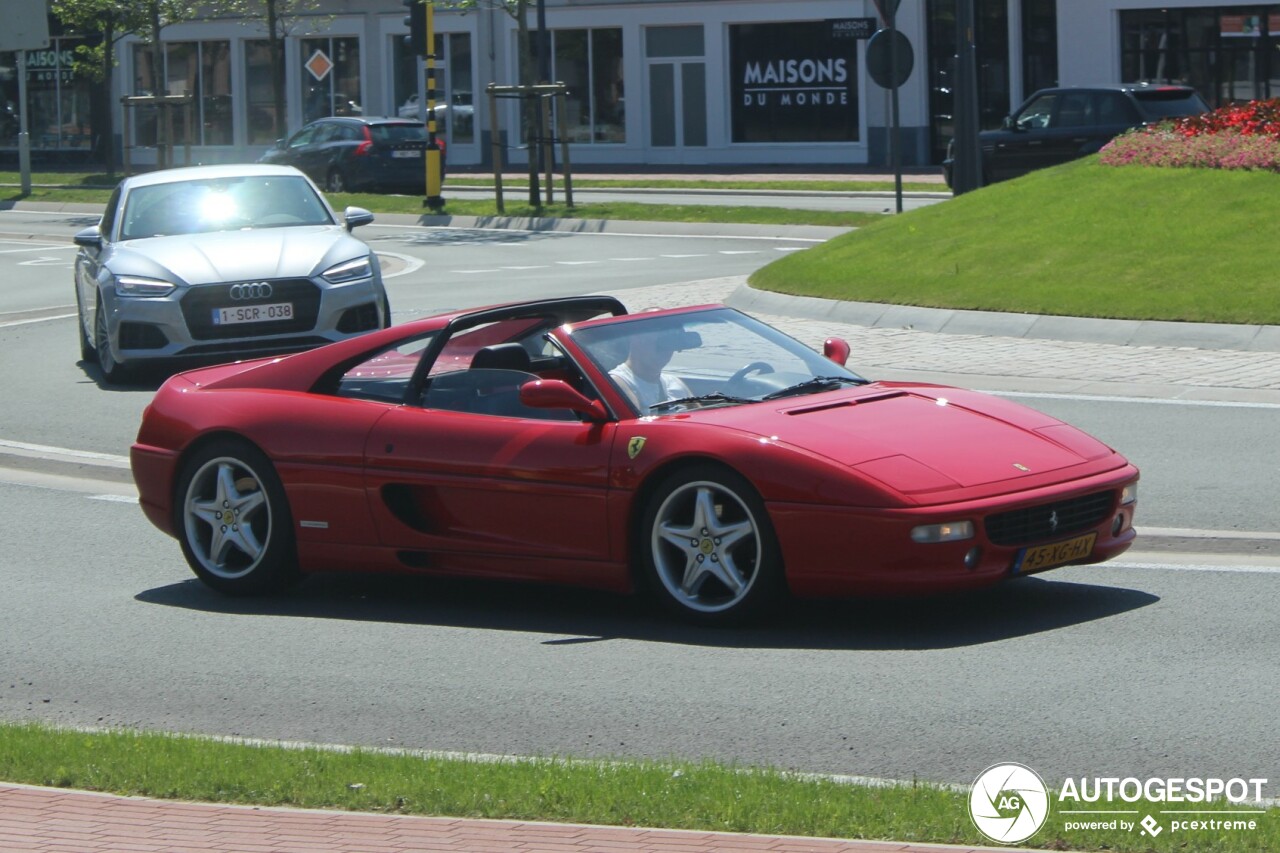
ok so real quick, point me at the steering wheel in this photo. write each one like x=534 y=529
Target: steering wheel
x=742 y=373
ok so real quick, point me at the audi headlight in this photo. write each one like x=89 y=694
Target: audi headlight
x=949 y=532
x=349 y=271
x=132 y=285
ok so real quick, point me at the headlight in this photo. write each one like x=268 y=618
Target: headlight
x=1129 y=494
x=349 y=271
x=132 y=285
x=952 y=531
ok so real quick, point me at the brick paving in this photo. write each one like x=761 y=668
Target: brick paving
x=48 y=820
x=1010 y=362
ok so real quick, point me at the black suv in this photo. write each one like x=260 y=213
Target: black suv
x=1057 y=125
x=358 y=153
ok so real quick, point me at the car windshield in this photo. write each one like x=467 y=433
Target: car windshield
x=718 y=357
x=221 y=204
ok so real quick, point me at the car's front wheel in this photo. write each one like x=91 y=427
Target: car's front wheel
x=233 y=520
x=112 y=370
x=87 y=352
x=708 y=550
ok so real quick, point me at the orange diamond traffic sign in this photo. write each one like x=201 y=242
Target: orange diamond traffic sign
x=319 y=65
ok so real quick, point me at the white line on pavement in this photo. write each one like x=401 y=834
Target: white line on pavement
x=8 y=323
x=1155 y=401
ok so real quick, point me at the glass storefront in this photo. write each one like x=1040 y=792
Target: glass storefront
x=199 y=69
x=1039 y=60
x=330 y=77
x=1228 y=53
x=60 y=102
x=793 y=82
x=455 y=109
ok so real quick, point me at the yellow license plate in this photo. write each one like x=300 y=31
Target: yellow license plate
x=1043 y=557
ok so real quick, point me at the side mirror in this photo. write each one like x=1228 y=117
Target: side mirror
x=90 y=238
x=558 y=394
x=280 y=143
x=356 y=216
x=837 y=350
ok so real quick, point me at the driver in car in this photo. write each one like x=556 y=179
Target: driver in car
x=642 y=378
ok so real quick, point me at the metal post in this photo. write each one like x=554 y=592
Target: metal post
x=966 y=166
x=564 y=149
x=24 y=136
x=895 y=133
x=495 y=146
x=544 y=106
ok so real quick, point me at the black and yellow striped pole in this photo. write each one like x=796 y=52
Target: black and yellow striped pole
x=435 y=164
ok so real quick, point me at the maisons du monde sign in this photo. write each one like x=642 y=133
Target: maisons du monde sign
x=795 y=82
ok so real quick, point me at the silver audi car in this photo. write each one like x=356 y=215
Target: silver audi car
x=222 y=262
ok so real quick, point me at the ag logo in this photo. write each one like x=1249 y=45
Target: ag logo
x=1009 y=803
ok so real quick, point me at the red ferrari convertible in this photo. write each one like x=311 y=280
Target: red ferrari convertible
x=696 y=453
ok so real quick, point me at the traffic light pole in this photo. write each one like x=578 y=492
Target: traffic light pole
x=422 y=43
x=435 y=174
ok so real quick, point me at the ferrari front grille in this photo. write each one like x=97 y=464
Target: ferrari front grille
x=1049 y=521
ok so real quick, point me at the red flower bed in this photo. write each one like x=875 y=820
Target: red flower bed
x=1239 y=136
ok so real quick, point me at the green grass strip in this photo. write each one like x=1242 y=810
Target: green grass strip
x=678 y=795
x=1080 y=240
x=84 y=188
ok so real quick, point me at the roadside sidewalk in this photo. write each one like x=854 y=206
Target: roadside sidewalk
x=984 y=351
x=49 y=820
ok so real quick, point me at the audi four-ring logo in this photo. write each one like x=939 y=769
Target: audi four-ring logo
x=251 y=290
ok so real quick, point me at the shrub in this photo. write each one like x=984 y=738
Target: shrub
x=1239 y=136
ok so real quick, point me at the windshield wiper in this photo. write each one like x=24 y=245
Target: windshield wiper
x=814 y=385
x=717 y=397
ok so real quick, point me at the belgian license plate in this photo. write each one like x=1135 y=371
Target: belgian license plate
x=411 y=152
x=253 y=313
x=1043 y=557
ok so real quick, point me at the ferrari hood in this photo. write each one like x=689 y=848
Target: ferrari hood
x=918 y=439
x=238 y=255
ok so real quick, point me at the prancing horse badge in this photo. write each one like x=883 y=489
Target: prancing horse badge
x=635 y=445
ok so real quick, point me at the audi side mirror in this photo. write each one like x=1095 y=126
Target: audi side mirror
x=354 y=217
x=90 y=238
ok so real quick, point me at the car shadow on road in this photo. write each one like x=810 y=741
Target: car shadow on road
x=572 y=616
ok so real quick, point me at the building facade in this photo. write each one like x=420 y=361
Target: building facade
x=679 y=82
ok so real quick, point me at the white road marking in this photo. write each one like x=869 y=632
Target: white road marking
x=576 y=263
x=41 y=247
x=1156 y=401
x=62 y=454
x=703 y=255
x=7 y=323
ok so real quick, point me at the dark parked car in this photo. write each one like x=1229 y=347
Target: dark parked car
x=359 y=153
x=1057 y=125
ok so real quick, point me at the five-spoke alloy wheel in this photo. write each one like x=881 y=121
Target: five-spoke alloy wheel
x=709 y=551
x=233 y=520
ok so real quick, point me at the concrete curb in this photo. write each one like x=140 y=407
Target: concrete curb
x=1209 y=336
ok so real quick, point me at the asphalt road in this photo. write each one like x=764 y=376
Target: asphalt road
x=1157 y=664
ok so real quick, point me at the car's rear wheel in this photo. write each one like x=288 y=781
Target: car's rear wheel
x=708 y=550
x=336 y=183
x=112 y=370
x=233 y=520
